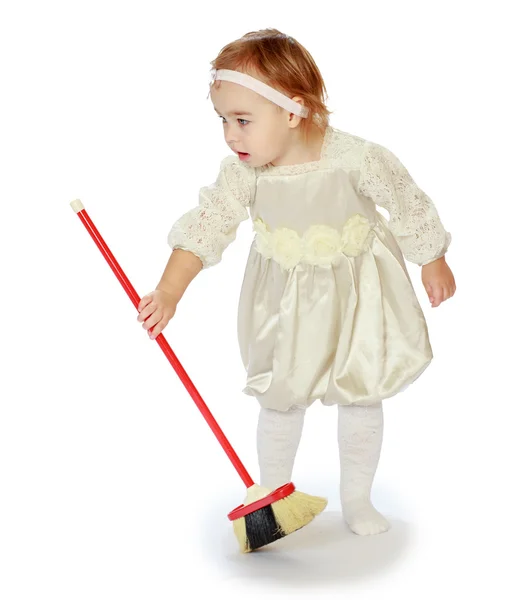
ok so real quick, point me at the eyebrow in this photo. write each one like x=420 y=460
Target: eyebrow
x=237 y=112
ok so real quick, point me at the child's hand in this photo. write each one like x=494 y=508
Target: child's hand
x=155 y=310
x=438 y=281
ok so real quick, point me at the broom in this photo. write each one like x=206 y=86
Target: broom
x=265 y=515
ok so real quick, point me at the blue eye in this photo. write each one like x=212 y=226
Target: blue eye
x=244 y=121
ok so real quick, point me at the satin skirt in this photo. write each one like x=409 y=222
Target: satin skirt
x=352 y=332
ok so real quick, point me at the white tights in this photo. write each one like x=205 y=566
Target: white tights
x=360 y=431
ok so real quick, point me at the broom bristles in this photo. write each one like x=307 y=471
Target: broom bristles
x=297 y=510
x=241 y=534
x=290 y=514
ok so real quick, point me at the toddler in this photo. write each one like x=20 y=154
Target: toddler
x=327 y=310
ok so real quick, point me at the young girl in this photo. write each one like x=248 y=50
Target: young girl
x=327 y=310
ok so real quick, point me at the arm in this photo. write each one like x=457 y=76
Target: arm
x=182 y=267
x=210 y=227
x=414 y=219
x=198 y=240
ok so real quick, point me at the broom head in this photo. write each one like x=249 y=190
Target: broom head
x=274 y=515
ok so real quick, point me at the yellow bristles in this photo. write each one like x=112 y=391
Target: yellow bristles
x=290 y=514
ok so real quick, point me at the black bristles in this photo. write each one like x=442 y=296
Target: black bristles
x=262 y=528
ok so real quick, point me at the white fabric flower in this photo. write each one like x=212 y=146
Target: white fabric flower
x=287 y=247
x=354 y=235
x=321 y=245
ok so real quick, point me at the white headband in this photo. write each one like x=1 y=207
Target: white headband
x=260 y=88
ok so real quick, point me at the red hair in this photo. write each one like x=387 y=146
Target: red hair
x=280 y=61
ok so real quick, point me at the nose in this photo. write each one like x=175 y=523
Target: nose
x=231 y=137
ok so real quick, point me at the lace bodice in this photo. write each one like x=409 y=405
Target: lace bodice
x=375 y=172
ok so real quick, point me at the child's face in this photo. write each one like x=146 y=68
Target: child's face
x=263 y=133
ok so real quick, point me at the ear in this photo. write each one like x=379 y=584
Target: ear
x=294 y=120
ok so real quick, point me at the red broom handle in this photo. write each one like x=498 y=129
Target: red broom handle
x=169 y=353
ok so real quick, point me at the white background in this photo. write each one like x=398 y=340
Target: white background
x=111 y=484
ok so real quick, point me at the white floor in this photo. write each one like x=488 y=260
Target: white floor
x=324 y=554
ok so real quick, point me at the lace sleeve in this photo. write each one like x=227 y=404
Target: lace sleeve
x=414 y=220
x=210 y=227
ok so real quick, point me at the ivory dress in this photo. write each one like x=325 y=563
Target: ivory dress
x=327 y=309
